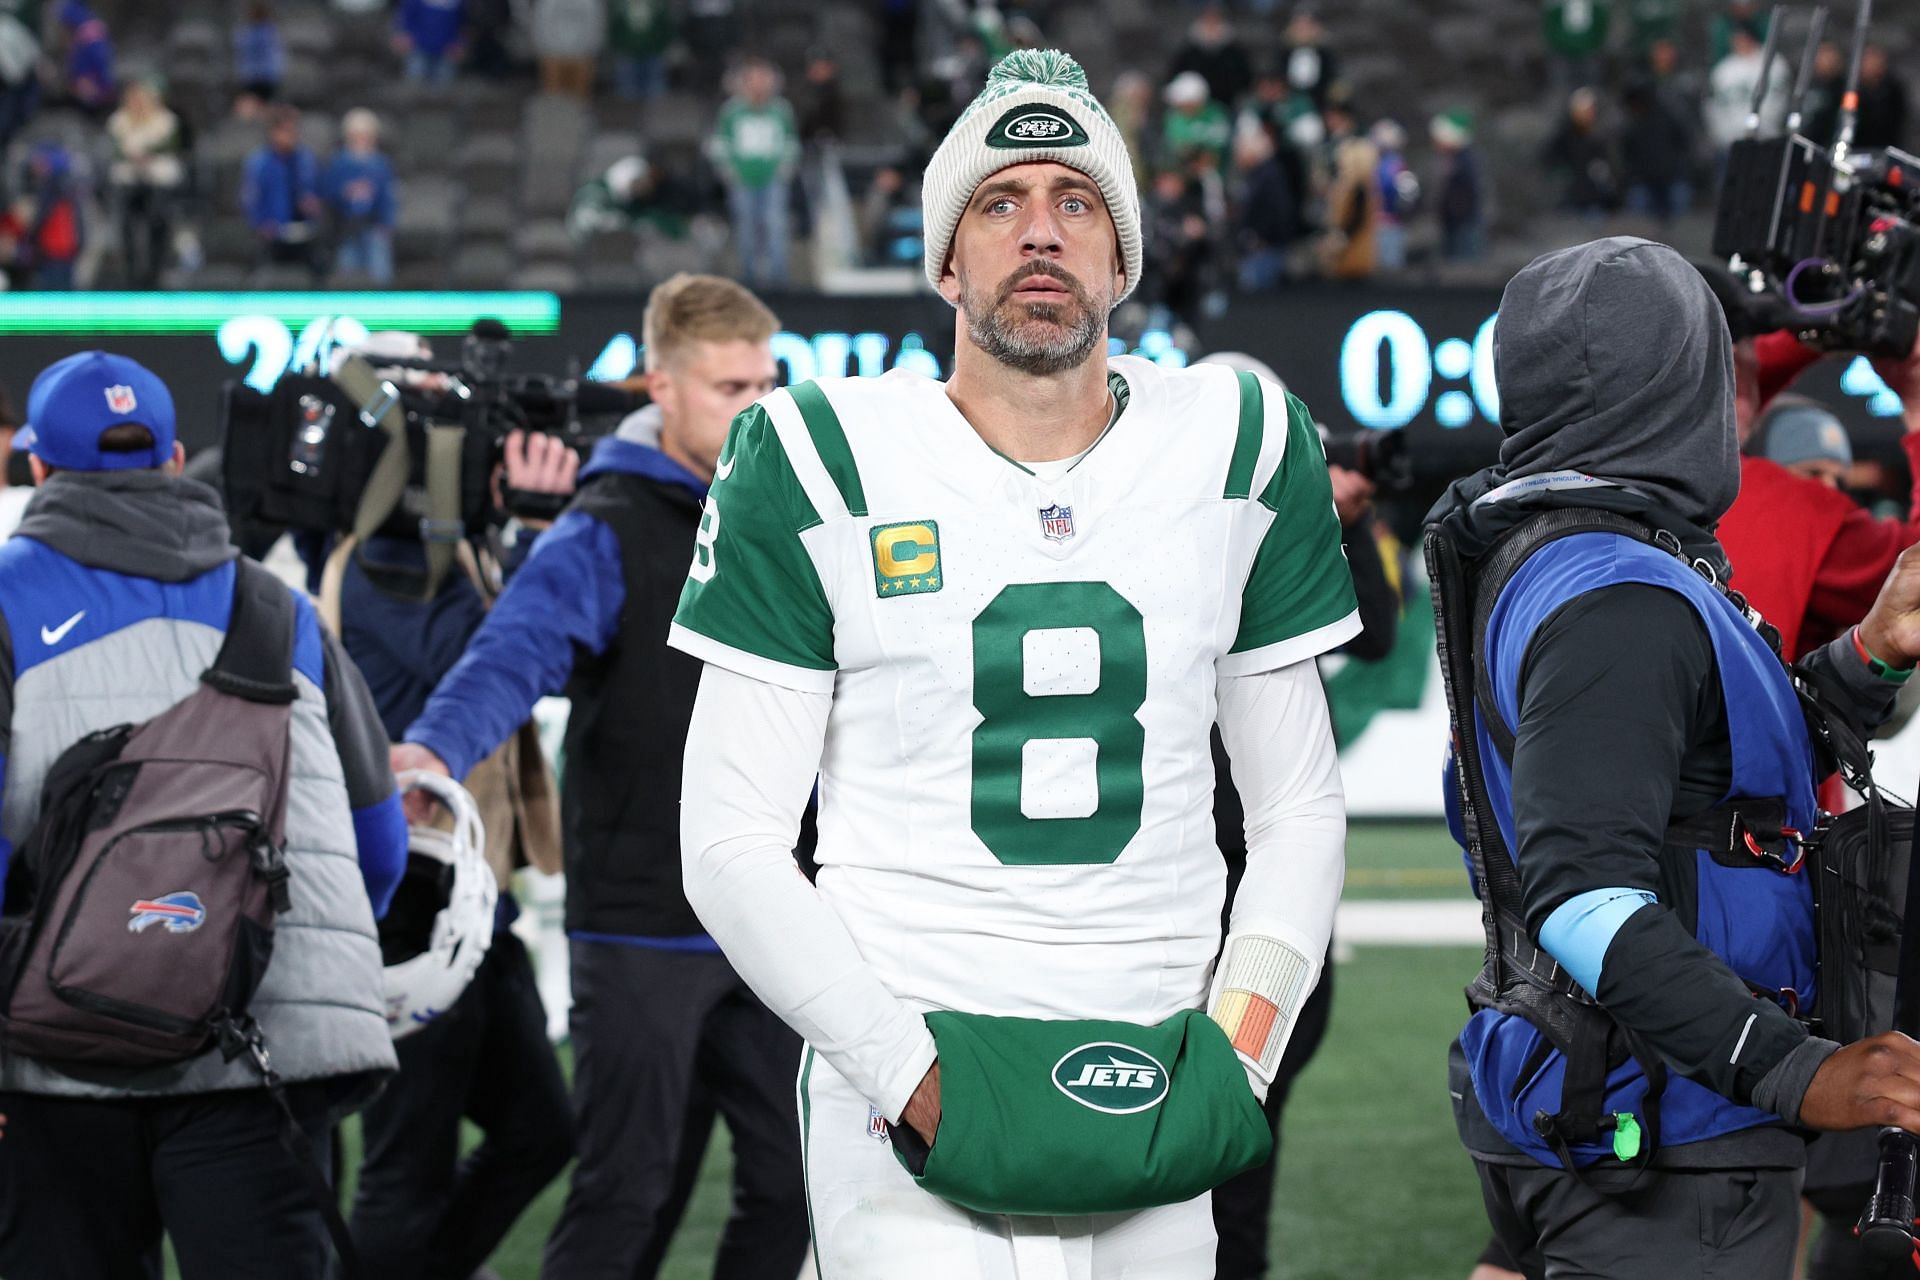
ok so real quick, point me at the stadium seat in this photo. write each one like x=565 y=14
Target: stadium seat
x=306 y=81
x=426 y=137
x=319 y=133
x=607 y=250
x=543 y=240
x=546 y=186
x=229 y=239
x=426 y=215
x=483 y=265
x=192 y=36
x=678 y=117
x=279 y=278
x=554 y=276
x=489 y=217
x=487 y=149
x=607 y=148
x=304 y=31
x=220 y=275
x=489 y=162
x=554 y=129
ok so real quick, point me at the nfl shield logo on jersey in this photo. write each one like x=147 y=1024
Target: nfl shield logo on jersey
x=877 y=1127
x=120 y=399
x=1057 y=522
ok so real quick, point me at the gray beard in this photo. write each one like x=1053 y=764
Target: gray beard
x=1037 y=353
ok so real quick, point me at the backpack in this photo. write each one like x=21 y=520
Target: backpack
x=155 y=871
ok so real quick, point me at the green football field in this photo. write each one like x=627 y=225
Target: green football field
x=1372 y=1185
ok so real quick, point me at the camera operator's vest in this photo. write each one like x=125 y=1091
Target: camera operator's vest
x=1554 y=1074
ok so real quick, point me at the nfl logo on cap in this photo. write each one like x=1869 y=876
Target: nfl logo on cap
x=76 y=401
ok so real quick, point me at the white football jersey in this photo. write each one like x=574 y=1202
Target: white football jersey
x=1016 y=791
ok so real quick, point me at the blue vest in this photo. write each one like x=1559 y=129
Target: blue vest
x=1757 y=919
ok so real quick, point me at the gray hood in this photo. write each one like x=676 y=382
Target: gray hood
x=1613 y=359
x=144 y=523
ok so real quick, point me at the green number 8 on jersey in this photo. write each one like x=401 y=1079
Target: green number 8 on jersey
x=1060 y=671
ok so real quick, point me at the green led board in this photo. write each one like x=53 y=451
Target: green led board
x=108 y=314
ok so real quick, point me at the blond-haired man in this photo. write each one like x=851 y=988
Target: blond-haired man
x=664 y=1032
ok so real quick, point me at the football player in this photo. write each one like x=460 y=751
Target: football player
x=998 y=617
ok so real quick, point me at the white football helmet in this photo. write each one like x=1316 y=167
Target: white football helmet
x=438 y=928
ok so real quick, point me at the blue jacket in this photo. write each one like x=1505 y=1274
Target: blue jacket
x=566 y=599
x=1758 y=920
x=115 y=595
x=90 y=55
x=432 y=25
x=360 y=189
x=257 y=56
x=276 y=185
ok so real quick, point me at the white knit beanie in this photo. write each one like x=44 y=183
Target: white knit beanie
x=1036 y=107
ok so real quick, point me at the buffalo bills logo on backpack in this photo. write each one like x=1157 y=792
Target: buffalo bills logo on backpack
x=181 y=912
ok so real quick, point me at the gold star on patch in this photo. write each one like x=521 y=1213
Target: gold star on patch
x=914 y=583
x=933 y=582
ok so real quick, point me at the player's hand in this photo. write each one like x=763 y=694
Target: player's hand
x=1866 y=1085
x=1891 y=629
x=923 y=1108
x=1352 y=493
x=405 y=756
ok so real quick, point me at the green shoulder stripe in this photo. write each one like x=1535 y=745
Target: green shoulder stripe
x=1299 y=582
x=830 y=441
x=1246 y=446
x=1305 y=460
x=752 y=585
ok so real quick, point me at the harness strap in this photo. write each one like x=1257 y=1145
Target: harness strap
x=255 y=661
x=242 y=1035
x=1519 y=977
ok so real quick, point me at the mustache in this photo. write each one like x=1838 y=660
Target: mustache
x=1041 y=267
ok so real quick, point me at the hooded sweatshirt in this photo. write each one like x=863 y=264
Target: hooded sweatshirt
x=1615 y=375
x=114 y=596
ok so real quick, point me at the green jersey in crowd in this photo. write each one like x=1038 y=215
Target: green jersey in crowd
x=754 y=145
x=1208 y=129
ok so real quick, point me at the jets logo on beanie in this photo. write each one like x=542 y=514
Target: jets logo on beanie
x=1036 y=107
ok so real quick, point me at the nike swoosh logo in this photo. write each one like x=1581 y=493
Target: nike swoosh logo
x=54 y=635
x=724 y=470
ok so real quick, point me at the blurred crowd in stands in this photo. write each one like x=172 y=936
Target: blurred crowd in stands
x=704 y=134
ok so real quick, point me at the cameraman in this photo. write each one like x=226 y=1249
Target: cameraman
x=1811 y=560
x=659 y=1016
x=1613 y=711
x=1805 y=555
x=422 y=1209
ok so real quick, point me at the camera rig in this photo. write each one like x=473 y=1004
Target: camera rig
x=354 y=452
x=1826 y=239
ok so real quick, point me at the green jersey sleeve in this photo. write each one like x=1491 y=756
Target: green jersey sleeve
x=1298 y=601
x=753 y=601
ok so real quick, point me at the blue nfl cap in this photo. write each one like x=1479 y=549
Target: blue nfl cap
x=37 y=393
x=77 y=399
